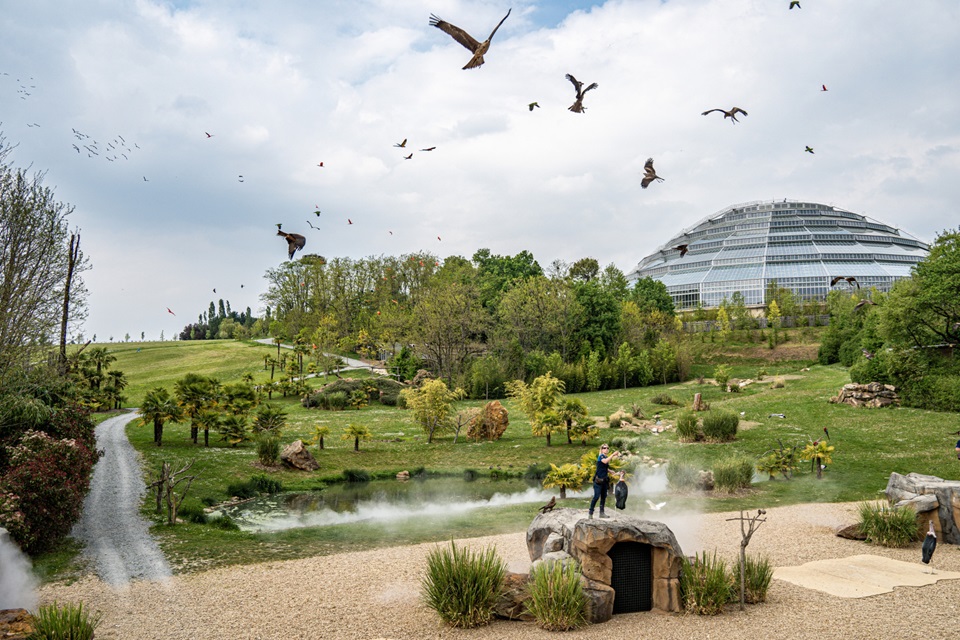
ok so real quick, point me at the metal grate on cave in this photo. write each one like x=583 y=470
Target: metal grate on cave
x=632 y=577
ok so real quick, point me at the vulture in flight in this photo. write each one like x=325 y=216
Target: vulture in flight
x=550 y=505
x=862 y=303
x=295 y=241
x=577 y=107
x=649 y=174
x=468 y=41
x=682 y=248
x=732 y=114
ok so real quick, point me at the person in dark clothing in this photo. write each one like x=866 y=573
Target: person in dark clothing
x=601 y=479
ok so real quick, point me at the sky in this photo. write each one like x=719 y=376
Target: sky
x=168 y=213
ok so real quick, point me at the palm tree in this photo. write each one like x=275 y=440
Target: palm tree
x=206 y=419
x=159 y=406
x=233 y=429
x=118 y=382
x=567 y=476
x=194 y=394
x=270 y=419
x=102 y=359
x=358 y=432
x=571 y=410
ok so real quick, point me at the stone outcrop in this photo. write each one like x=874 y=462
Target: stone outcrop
x=403 y=475
x=589 y=541
x=872 y=394
x=15 y=624
x=297 y=456
x=512 y=602
x=934 y=499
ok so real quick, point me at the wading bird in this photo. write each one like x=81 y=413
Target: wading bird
x=929 y=546
x=550 y=505
x=732 y=114
x=682 y=248
x=577 y=106
x=295 y=241
x=468 y=41
x=649 y=174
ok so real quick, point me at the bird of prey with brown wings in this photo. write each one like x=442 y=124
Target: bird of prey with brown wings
x=468 y=41
x=732 y=114
x=862 y=304
x=295 y=241
x=682 y=248
x=550 y=505
x=577 y=107
x=649 y=174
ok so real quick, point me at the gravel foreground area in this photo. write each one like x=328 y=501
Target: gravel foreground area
x=375 y=594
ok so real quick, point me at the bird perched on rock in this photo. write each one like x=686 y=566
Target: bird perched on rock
x=682 y=248
x=577 y=106
x=468 y=41
x=649 y=174
x=929 y=546
x=295 y=241
x=732 y=114
x=620 y=492
x=550 y=505
x=862 y=304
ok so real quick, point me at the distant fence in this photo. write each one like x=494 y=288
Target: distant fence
x=788 y=322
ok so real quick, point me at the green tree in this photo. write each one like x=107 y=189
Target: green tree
x=652 y=295
x=432 y=405
x=232 y=428
x=498 y=274
x=600 y=318
x=584 y=270
x=773 y=321
x=539 y=400
x=356 y=432
x=723 y=320
x=270 y=419
x=450 y=321
x=626 y=364
x=158 y=407
x=566 y=476
x=196 y=393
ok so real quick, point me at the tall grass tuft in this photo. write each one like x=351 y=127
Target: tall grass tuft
x=356 y=475
x=663 y=398
x=463 y=586
x=64 y=622
x=705 y=584
x=757 y=578
x=889 y=527
x=682 y=474
x=733 y=473
x=687 y=429
x=268 y=450
x=557 y=600
x=720 y=426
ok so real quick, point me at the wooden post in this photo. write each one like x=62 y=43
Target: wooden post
x=697 y=402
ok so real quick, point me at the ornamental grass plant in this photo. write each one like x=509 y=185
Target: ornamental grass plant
x=757 y=577
x=705 y=584
x=463 y=586
x=557 y=600
x=889 y=527
x=68 y=621
x=733 y=473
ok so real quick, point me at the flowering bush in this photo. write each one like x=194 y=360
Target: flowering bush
x=43 y=488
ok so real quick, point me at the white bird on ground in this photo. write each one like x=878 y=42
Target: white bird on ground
x=657 y=506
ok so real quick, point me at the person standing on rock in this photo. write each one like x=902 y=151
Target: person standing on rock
x=601 y=479
x=957 y=449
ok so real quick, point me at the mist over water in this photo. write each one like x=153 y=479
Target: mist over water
x=18 y=587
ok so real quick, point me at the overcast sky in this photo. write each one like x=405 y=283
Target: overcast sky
x=284 y=86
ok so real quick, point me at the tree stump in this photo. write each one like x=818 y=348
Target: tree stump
x=697 y=402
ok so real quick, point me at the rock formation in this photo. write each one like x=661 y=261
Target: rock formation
x=297 y=456
x=934 y=499
x=873 y=394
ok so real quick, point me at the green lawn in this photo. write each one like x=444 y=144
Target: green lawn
x=870 y=443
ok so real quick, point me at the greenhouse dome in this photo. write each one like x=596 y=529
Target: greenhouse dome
x=803 y=246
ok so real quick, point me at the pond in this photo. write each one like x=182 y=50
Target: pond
x=387 y=502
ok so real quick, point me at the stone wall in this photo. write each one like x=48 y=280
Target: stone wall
x=872 y=394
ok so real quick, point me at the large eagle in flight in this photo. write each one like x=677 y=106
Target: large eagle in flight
x=468 y=41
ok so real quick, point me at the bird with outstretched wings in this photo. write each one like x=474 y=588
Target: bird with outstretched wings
x=577 y=107
x=732 y=113
x=649 y=174
x=862 y=304
x=468 y=41
x=295 y=242
x=682 y=248
x=550 y=505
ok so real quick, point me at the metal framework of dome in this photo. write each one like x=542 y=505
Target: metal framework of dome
x=800 y=245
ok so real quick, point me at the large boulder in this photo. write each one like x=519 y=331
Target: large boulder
x=15 y=624
x=298 y=456
x=933 y=498
x=512 y=601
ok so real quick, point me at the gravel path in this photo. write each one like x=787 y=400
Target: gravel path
x=116 y=537
x=375 y=594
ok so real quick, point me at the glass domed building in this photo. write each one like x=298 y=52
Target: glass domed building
x=801 y=245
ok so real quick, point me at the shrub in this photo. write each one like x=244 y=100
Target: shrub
x=615 y=422
x=537 y=471
x=469 y=475
x=627 y=443
x=254 y=486
x=192 y=512
x=761 y=373
x=663 y=398
x=336 y=401
x=889 y=527
x=722 y=375
x=265 y=484
x=720 y=426
x=757 y=578
x=463 y=586
x=733 y=473
x=557 y=600
x=705 y=584
x=242 y=490
x=224 y=522
x=64 y=622
x=687 y=429
x=682 y=474
x=735 y=386
x=268 y=450
x=45 y=485
x=356 y=475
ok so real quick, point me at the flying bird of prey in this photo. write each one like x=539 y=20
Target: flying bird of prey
x=657 y=506
x=823 y=87
x=867 y=354
x=550 y=505
x=214 y=289
x=862 y=304
x=835 y=280
x=317 y=212
x=239 y=178
x=320 y=164
x=295 y=241
x=209 y=135
x=852 y=280
x=145 y=179
x=428 y=149
x=795 y=3
x=649 y=174
x=401 y=144
x=313 y=227
x=438 y=238
x=533 y=105
x=408 y=157
x=808 y=149
x=577 y=106
x=349 y=221
x=170 y=312
x=464 y=38
x=732 y=114
x=682 y=248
